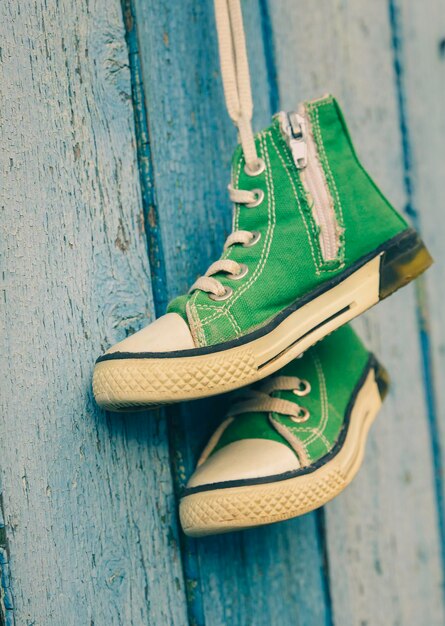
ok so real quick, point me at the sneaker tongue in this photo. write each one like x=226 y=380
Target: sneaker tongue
x=249 y=426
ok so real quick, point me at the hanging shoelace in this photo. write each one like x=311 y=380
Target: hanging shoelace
x=238 y=96
x=235 y=74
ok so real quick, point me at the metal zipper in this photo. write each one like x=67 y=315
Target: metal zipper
x=297 y=131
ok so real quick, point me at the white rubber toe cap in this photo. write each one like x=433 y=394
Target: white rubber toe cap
x=166 y=334
x=245 y=459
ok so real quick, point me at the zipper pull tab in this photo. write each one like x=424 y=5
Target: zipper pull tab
x=298 y=146
x=293 y=127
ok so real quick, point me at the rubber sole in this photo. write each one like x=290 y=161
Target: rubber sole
x=236 y=508
x=129 y=383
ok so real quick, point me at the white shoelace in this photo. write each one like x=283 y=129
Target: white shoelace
x=260 y=399
x=238 y=96
x=235 y=73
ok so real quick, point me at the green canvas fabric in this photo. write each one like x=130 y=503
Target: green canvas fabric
x=287 y=261
x=333 y=368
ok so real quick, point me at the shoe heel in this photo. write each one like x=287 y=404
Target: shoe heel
x=402 y=263
x=382 y=379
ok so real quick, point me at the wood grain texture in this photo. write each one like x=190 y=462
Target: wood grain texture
x=383 y=532
x=89 y=512
x=420 y=49
x=272 y=575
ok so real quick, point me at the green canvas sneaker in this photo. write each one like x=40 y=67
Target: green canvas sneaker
x=291 y=443
x=314 y=244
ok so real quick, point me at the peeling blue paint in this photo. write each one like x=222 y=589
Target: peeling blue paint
x=145 y=163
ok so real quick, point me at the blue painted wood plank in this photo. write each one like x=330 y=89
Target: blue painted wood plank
x=382 y=533
x=145 y=163
x=89 y=511
x=273 y=575
x=419 y=55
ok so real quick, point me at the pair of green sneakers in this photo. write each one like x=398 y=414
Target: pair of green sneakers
x=314 y=244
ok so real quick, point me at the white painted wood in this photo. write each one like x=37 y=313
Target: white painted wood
x=383 y=543
x=89 y=511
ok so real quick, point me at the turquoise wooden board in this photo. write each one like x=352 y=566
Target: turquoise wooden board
x=88 y=506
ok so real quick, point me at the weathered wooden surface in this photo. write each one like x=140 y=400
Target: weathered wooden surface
x=110 y=210
x=89 y=510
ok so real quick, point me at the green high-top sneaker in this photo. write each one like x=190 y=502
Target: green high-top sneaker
x=291 y=443
x=314 y=244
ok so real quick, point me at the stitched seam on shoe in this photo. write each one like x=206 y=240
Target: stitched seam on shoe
x=234 y=322
x=314 y=430
x=236 y=212
x=202 y=340
x=268 y=239
x=331 y=178
x=267 y=244
x=226 y=312
x=323 y=396
x=192 y=324
x=319 y=431
x=338 y=209
x=237 y=207
x=322 y=103
x=299 y=447
x=271 y=203
x=316 y=433
x=303 y=217
x=200 y=334
x=322 y=264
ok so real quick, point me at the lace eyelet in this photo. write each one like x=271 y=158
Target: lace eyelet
x=256 y=236
x=259 y=197
x=303 y=416
x=227 y=293
x=303 y=389
x=255 y=172
x=243 y=271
